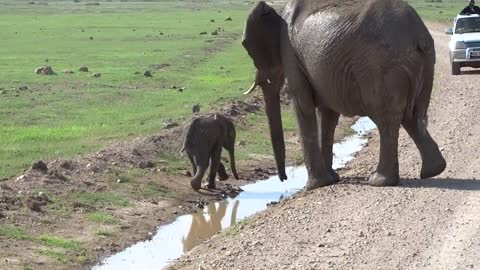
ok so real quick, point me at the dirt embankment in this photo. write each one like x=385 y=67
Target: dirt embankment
x=421 y=224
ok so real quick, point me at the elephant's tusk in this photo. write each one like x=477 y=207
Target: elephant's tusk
x=254 y=85
x=269 y=82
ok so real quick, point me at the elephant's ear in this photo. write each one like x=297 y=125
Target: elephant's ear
x=261 y=36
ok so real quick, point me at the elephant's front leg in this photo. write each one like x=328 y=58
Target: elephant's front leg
x=318 y=174
x=327 y=121
x=387 y=170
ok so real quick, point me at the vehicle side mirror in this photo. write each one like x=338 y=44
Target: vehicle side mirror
x=448 y=31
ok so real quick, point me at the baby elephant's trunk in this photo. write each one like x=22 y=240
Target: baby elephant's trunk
x=232 y=164
x=196 y=181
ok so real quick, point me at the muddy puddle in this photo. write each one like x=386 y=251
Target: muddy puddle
x=175 y=239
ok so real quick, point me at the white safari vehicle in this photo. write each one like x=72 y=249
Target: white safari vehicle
x=464 y=46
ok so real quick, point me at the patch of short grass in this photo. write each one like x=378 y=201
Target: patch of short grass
x=82 y=259
x=58 y=205
x=103 y=232
x=13 y=232
x=101 y=198
x=235 y=229
x=102 y=218
x=57 y=242
x=172 y=163
x=130 y=175
x=255 y=133
x=153 y=189
x=28 y=267
x=348 y=131
x=57 y=255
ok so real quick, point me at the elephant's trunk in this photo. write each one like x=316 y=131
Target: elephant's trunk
x=196 y=181
x=272 y=103
x=232 y=163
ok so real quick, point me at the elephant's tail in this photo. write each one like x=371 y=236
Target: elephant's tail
x=188 y=135
x=422 y=89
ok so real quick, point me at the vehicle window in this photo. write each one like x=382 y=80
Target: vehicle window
x=467 y=25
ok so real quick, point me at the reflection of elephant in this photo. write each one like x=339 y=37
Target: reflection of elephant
x=203 y=141
x=201 y=229
x=371 y=58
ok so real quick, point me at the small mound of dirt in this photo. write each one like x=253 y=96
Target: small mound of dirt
x=35 y=205
x=40 y=166
x=67 y=165
x=239 y=108
x=47 y=70
x=9 y=201
x=196 y=108
x=146 y=164
x=147 y=73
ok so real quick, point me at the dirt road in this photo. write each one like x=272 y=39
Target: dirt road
x=421 y=224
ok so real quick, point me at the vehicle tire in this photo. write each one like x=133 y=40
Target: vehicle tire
x=455 y=68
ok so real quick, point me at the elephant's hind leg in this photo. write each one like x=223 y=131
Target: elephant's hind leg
x=328 y=121
x=222 y=173
x=388 y=113
x=200 y=159
x=433 y=162
x=215 y=156
x=194 y=166
x=387 y=170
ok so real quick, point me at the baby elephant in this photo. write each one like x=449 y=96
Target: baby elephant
x=203 y=140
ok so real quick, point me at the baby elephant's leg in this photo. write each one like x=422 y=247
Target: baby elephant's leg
x=214 y=165
x=194 y=166
x=222 y=173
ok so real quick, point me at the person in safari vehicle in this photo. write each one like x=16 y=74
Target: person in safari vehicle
x=470 y=9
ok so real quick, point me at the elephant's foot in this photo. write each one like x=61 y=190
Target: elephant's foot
x=335 y=175
x=222 y=174
x=222 y=177
x=379 y=180
x=322 y=181
x=196 y=185
x=211 y=186
x=433 y=167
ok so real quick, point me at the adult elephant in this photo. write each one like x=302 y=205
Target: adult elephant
x=370 y=58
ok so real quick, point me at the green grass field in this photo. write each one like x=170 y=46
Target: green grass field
x=65 y=115
x=438 y=10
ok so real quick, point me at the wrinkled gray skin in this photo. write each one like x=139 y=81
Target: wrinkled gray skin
x=369 y=58
x=204 y=138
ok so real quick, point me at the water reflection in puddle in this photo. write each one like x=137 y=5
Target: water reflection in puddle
x=173 y=240
x=205 y=225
